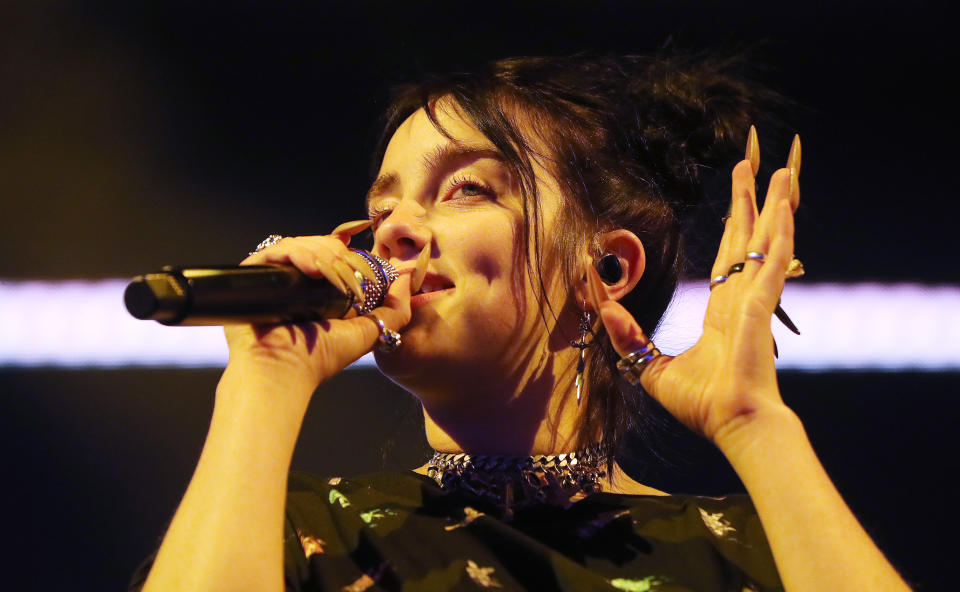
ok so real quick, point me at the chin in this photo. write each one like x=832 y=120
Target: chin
x=412 y=359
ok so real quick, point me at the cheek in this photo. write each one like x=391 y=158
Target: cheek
x=497 y=261
x=490 y=248
x=488 y=266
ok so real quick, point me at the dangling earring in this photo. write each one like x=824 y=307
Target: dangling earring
x=582 y=345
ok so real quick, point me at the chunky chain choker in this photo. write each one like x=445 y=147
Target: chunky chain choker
x=520 y=481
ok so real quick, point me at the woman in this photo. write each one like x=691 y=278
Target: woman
x=501 y=198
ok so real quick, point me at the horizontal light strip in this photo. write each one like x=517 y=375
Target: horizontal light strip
x=845 y=326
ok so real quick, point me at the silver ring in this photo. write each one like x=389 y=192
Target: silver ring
x=373 y=292
x=757 y=256
x=631 y=366
x=716 y=281
x=267 y=242
x=389 y=340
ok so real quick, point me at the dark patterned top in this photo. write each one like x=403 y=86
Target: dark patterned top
x=400 y=531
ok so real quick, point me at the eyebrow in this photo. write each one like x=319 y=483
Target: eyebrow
x=443 y=157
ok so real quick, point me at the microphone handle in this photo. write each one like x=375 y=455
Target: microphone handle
x=223 y=295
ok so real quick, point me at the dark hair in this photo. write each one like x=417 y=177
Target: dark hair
x=628 y=139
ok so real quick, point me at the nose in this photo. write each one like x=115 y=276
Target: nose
x=402 y=234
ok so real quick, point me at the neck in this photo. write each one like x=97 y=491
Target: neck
x=531 y=411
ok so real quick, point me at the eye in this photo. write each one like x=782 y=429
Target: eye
x=377 y=215
x=469 y=187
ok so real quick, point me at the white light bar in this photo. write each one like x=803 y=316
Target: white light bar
x=845 y=326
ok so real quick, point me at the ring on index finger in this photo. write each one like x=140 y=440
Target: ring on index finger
x=631 y=366
x=267 y=242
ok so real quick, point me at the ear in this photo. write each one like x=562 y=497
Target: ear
x=629 y=251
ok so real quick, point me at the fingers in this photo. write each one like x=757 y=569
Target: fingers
x=347 y=274
x=395 y=311
x=748 y=231
x=420 y=269
x=322 y=256
x=348 y=229
x=740 y=226
x=595 y=288
x=753 y=151
x=793 y=164
x=743 y=208
x=767 y=225
x=358 y=335
x=359 y=263
x=772 y=274
x=626 y=335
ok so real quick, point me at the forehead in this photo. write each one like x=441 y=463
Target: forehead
x=417 y=138
x=418 y=150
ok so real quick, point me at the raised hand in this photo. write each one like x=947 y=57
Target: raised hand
x=728 y=376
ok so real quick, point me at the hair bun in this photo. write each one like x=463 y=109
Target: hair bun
x=692 y=115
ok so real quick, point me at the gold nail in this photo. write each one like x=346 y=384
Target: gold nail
x=331 y=275
x=359 y=263
x=598 y=294
x=793 y=163
x=353 y=227
x=420 y=271
x=753 y=150
x=795 y=269
x=347 y=275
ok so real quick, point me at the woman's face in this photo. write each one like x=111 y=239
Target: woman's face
x=477 y=317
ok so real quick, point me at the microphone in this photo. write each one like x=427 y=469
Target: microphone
x=244 y=294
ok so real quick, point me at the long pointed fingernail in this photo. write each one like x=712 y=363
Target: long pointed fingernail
x=793 y=163
x=347 y=274
x=420 y=271
x=598 y=294
x=353 y=227
x=793 y=160
x=753 y=150
x=332 y=276
x=359 y=263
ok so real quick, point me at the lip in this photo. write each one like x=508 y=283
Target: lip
x=429 y=276
x=420 y=299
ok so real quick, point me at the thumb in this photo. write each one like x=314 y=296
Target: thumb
x=395 y=311
x=627 y=337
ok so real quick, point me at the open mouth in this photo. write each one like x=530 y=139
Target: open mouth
x=434 y=284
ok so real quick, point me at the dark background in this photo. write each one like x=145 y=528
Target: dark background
x=137 y=134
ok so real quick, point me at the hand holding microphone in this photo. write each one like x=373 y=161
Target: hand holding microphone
x=266 y=294
x=258 y=294
x=265 y=302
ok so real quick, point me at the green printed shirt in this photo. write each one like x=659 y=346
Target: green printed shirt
x=400 y=531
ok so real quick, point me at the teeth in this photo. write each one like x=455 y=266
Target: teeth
x=432 y=286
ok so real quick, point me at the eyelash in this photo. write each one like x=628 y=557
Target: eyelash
x=457 y=182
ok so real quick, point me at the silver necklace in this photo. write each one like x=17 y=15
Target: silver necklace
x=520 y=481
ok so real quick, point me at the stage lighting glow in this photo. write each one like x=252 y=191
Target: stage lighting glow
x=844 y=326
